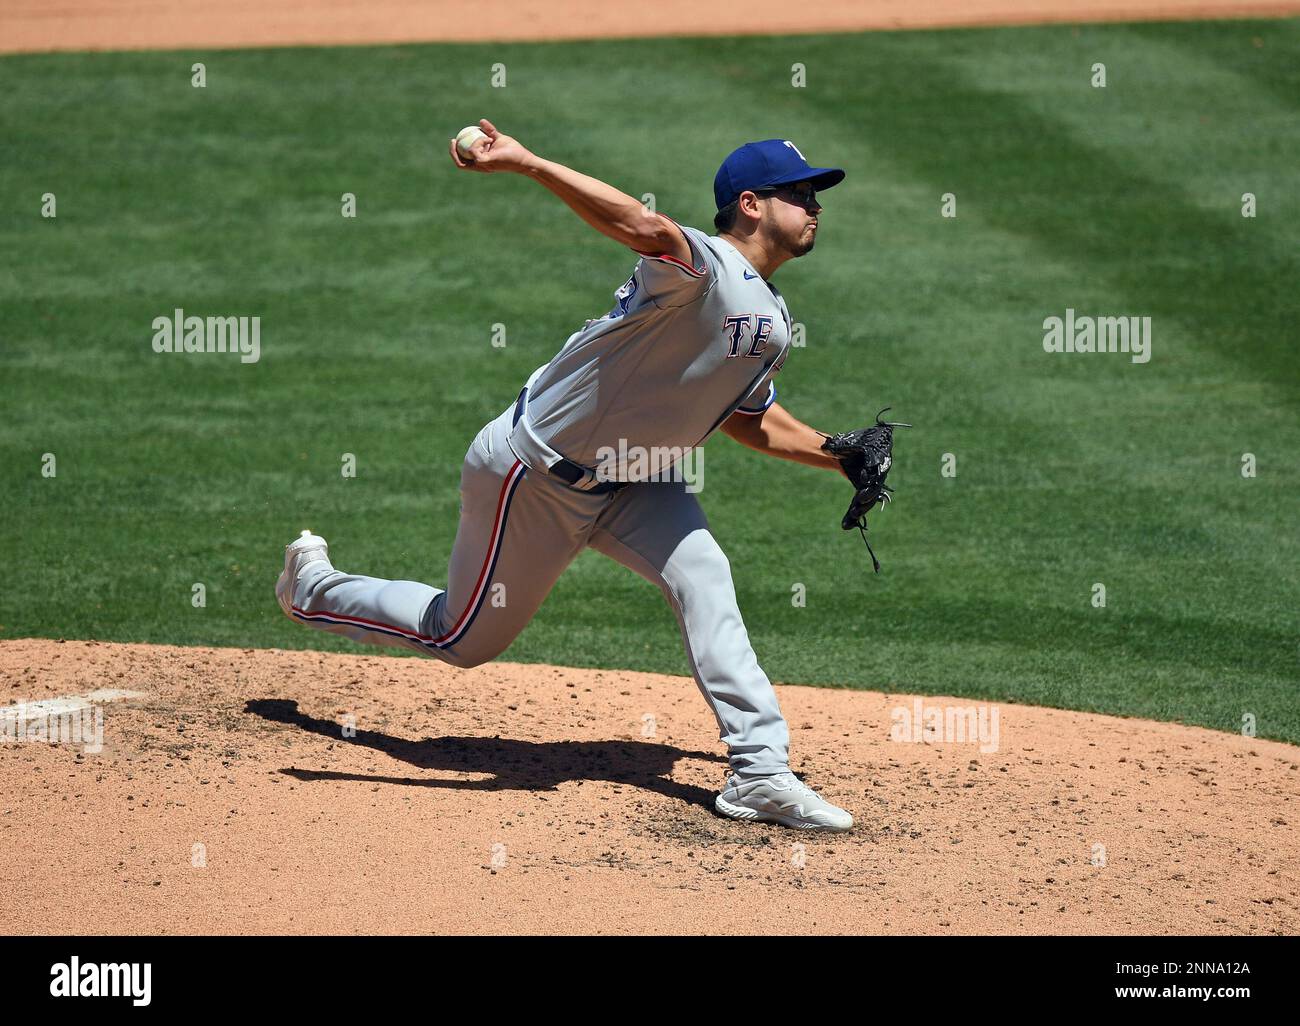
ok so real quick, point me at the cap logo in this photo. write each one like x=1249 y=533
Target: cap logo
x=796 y=149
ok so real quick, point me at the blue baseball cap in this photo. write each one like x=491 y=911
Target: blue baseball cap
x=762 y=165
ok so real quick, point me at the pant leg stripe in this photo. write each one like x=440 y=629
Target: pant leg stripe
x=490 y=562
x=508 y=489
x=368 y=625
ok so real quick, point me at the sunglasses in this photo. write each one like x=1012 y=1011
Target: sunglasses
x=804 y=197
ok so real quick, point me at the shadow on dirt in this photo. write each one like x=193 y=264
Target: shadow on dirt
x=514 y=765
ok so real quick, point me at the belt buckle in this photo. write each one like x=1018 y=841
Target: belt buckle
x=601 y=485
x=587 y=481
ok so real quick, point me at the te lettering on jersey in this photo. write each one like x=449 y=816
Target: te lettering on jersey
x=735 y=327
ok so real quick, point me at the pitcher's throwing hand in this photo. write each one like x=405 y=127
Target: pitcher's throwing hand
x=492 y=152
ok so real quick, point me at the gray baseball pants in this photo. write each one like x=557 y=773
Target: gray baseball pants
x=519 y=529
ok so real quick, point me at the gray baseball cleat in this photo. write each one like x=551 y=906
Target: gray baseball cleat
x=298 y=554
x=781 y=798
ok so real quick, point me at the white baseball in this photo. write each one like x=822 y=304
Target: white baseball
x=466 y=138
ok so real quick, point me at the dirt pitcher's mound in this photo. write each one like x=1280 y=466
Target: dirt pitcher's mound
x=535 y=799
x=38 y=25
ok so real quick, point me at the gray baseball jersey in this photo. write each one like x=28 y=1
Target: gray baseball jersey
x=683 y=348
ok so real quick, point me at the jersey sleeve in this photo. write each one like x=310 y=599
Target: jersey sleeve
x=669 y=282
x=762 y=397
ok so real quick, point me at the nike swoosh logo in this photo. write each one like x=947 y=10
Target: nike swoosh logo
x=750 y=277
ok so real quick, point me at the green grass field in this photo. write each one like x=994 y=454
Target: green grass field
x=376 y=340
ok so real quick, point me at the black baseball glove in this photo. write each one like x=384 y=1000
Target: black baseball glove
x=865 y=457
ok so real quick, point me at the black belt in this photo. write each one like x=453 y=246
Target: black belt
x=565 y=469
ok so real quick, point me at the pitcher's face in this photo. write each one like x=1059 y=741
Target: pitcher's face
x=790 y=216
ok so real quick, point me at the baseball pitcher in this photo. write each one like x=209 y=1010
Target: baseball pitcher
x=692 y=345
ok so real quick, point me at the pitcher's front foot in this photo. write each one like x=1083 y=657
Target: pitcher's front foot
x=781 y=798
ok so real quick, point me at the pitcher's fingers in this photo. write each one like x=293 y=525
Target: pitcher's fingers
x=489 y=128
x=464 y=163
